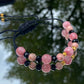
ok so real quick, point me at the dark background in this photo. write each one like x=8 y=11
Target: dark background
x=47 y=39
x=6 y=2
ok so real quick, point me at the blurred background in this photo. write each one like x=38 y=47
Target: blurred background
x=44 y=39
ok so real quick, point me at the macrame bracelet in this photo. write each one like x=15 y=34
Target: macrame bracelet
x=46 y=62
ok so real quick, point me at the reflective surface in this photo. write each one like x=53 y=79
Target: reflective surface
x=46 y=39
